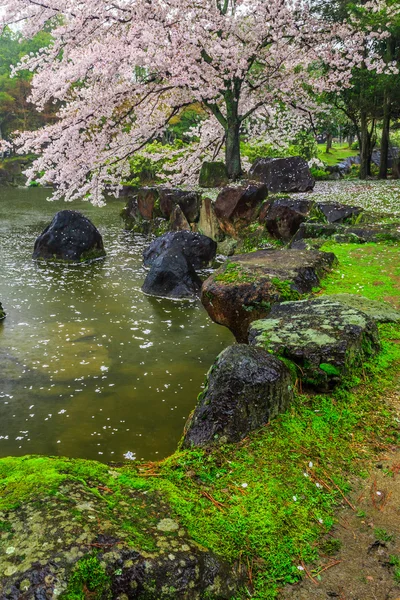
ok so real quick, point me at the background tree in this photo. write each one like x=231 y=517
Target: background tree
x=123 y=70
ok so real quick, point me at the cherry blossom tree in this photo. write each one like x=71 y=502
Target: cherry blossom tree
x=120 y=70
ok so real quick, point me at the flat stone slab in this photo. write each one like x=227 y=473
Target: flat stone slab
x=323 y=338
x=246 y=387
x=360 y=233
x=381 y=312
x=244 y=289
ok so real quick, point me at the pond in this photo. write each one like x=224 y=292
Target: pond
x=89 y=366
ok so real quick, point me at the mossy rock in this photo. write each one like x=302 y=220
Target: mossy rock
x=325 y=339
x=75 y=529
x=245 y=289
x=213 y=174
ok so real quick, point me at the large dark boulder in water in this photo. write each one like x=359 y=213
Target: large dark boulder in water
x=70 y=237
x=172 y=276
x=199 y=249
x=324 y=338
x=244 y=289
x=245 y=388
x=283 y=174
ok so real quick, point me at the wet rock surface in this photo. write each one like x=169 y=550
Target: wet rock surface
x=198 y=249
x=244 y=289
x=188 y=202
x=339 y=213
x=178 y=221
x=245 y=388
x=208 y=223
x=324 y=338
x=69 y=237
x=2 y=312
x=237 y=206
x=284 y=216
x=283 y=174
x=83 y=539
x=172 y=275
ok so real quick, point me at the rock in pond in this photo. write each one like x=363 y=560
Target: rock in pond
x=213 y=174
x=245 y=388
x=238 y=206
x=69 y=237
x=243 y=290
x=283 y=174
x=2 y=312
x=70 y=539
x=198 y=249
x=172 y=275
x=324 y=338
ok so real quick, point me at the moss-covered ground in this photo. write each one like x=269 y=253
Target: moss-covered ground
x=267 y=501
x=337 y=154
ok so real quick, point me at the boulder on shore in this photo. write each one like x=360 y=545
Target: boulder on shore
x=69 y=237
x=244 y=290
x=188 y=201
x=62 y=537
x=283 y=216
x=283 y=174
x=198 y=249
x=324 y=338
x=172 y=275
x=245 y=388
x=238 y=206
x=178 y=221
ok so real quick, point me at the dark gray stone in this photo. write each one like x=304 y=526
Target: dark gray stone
x=245 y=388
x=285 y=215
x=283 y=174
x=188 y=201
x=324 y=338
x=339 y=213
x=69 y=237
x=198 y=249
x=238 y=206
x=171 y=275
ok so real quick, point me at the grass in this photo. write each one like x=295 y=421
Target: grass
x=338 y=153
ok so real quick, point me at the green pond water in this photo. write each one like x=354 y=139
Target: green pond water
x=89 y=366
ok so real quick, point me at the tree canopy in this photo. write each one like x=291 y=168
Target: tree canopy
x=121 y=71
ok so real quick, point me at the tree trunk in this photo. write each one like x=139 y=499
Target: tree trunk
x=365 y=148
x=383 y=167
x=329 y=139
x=232 y=152
x=232 y=139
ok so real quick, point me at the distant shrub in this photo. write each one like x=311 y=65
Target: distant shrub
x=319 y=174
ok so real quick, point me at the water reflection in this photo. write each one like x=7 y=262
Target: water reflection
x=90 y=366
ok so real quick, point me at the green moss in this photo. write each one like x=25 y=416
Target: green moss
x=285 y=290
x=329 y=369
x=88 y=580
x=235 y=273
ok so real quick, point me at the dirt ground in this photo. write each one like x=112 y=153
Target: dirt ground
x=365 y=542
